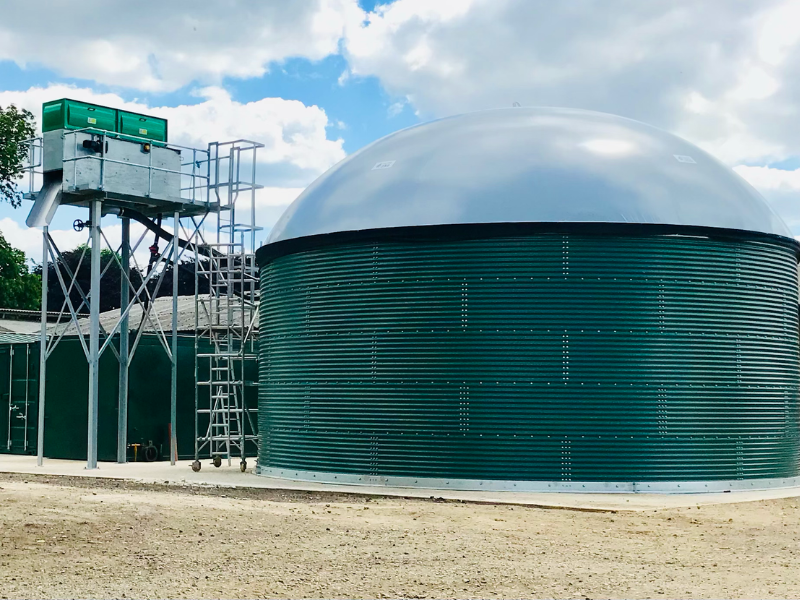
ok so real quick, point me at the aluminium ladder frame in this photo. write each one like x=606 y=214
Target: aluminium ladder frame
x=227 y=312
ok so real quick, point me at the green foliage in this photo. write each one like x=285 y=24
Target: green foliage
x=16 y=126
x=19 y=288
x=78 y=261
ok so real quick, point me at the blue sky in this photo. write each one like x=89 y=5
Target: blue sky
x=362 y=105
x=319 y=79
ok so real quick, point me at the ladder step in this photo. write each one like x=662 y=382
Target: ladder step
x=208 y=411
x=234 y=439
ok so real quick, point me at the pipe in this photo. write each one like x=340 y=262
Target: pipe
x=162 y=233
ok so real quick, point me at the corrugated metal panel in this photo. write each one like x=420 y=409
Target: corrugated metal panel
x=557 y=356
x=67 y=391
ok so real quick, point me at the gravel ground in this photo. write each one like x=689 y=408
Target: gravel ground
x=72 y=537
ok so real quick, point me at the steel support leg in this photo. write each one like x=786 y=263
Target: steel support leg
x=173 y=397
x=124 y=343
x=42 y=353
x=94 y=338
x=196 y=465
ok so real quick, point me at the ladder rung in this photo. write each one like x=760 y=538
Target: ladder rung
x=208 y=411
x=234 y=439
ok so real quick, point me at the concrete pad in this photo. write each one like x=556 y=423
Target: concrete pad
x=231 y=477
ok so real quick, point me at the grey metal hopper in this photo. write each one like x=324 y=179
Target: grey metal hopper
x=46 y=201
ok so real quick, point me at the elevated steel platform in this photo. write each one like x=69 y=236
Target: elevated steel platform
x=140 y=178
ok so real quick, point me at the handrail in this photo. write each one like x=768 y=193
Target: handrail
x=198 y=181
x=122 y=162
x=117 y=135
x=204 y=185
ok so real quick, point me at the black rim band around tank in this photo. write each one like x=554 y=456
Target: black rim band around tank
x=464 y=231
x=561 y=352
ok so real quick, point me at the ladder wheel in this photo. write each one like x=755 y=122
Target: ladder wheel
x=217 y=461
x=196 y=466
x=243 y=466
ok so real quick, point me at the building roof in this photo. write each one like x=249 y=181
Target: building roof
x=32 y=316
x=16 y=326
x=18 y=338
x=163 y=309
x=527 y=165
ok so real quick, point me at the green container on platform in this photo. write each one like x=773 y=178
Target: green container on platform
x=71 y=114
x=142 y=126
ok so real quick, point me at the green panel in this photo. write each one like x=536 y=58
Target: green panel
x=66 y=411
x=19 y=363
x=66 y=404
x=70 y=114
x=550 y=357
x=54 y=115
x=142 y=126
x=67 y=399
x=81 y=115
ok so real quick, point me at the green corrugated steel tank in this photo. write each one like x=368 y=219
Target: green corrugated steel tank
x=531 y=299
x=72 y=114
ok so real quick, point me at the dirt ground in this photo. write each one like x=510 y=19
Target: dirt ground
x=72 y=537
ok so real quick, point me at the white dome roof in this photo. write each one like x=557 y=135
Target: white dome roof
x=527 y=165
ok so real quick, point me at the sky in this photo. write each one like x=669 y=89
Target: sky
x=315 y=80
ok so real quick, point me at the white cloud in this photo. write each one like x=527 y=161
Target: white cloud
x=30 y=240
x=770 y=179
x=272 y=196
x=296 y=151
x=722 y=74
x=779 y=33
x=294 y=135
x=780 y=187
x=291 y=131
x=396 y=108
x=161 y=46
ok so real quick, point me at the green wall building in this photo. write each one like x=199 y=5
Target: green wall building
x=66 y=407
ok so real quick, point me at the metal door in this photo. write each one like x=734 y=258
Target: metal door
x=19 y=399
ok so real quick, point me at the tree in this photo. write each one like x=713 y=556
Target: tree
x=71 y=262
x=19 y=288
x=16 y=126
x=110 y=282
